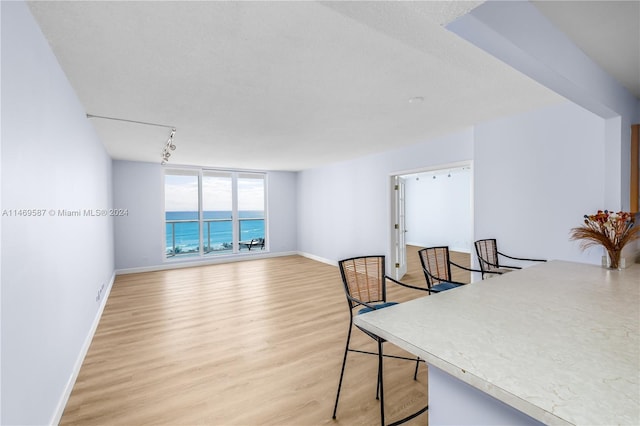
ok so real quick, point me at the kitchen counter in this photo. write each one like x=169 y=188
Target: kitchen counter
x=558 y=342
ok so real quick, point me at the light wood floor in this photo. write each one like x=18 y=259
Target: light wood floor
x=246 y=343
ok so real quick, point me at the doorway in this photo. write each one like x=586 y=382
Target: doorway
x=431 y=207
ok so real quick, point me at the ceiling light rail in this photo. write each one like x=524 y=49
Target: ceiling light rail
x=168 y=147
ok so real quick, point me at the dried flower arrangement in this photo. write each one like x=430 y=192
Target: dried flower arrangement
x=611 y=230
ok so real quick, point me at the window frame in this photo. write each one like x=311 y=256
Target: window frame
x=200 y=174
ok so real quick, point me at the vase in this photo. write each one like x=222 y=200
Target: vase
x=614 y=259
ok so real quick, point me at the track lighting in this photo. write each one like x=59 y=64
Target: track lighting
x=169 y=146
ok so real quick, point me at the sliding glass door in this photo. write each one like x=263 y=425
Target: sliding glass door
x=212 y=212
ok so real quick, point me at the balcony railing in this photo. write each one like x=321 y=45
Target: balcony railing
x=183 y=237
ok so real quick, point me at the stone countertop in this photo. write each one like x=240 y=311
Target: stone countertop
x=558 y=341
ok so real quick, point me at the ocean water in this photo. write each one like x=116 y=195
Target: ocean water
x=217 y=234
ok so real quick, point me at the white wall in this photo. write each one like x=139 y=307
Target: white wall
x=522 y=37
x=139 y=236
x=438 y=211
x=52 y=266
x=536 y=175
x=283 y=212
x=344 y=209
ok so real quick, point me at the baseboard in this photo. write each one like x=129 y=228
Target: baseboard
x=318 y=258
x=83 y=353
x=212 y=261
x=451 y=248
x=461 y=249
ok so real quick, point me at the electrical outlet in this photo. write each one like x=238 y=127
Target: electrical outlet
x=100 y=291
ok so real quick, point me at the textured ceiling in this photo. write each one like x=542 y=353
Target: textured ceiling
x=277 y=85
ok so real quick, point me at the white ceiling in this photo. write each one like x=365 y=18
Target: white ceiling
x=294 y=85
x=607 y=31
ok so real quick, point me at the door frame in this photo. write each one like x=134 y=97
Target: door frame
x=393 y=208
x=399 y=229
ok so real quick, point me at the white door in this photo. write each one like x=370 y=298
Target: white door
x=399 y=228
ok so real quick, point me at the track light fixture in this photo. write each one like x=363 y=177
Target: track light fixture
x=168 y=147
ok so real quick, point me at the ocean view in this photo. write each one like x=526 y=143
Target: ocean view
x=217 y=234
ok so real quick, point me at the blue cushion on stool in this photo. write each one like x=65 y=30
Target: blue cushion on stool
x=444 y=286
x=379 y=306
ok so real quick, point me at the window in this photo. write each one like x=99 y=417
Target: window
x=210 y=212
x=182 y=225
x=217 y=204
